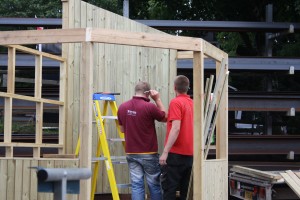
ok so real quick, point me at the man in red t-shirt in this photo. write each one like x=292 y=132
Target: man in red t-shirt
x=137 y=120
x=177 y=156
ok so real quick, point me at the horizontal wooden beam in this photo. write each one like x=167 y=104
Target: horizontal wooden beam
x=36 y=52
x=181 y=55
x=164 y=41
x=59 y=156
x=17 y=144
x=28 y=98
x=43 y=36
x=77 y=35
x=213 y=52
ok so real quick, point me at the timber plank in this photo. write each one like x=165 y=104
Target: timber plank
x=33 y=180
x=26 y=180
x=290 y=181
x=198 y=91
x=36 y=52
x=294 y=177
x=59 y=156
x=145 y=39
x=18 y=179
x=45 y=36
x=11 y=166
x=255 y=173
x=28 y=98
x=3 y=178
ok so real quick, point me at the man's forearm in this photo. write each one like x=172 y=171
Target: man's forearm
x=160 y=105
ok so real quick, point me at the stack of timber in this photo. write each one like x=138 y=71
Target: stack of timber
x=250 y=178
x=272 y=177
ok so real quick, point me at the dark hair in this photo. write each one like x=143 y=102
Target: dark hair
x=141 y=87
x=182 y=84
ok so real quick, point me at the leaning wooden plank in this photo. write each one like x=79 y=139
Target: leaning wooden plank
x=297 y=174
x=293 y=185
x=254 y=172
x=208 y=95
x=210 y=111
x=294 y=177
x=59 y=156
x=213 y=125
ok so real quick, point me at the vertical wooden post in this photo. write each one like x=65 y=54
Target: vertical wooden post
x=67 y=53
x=198 y=96
x=39 y=105
x=62 y=109
x=11 y=65
x=222 y=118
x=86 y=113
x=172 y=73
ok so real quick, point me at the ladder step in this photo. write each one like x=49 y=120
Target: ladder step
x=109 y=117
x=118 y=159
x=124 y=185
x=95 y=159
x=116 y=139
x=114 y=159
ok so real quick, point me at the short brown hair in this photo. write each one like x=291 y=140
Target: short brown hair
x=182 y=84
x=141 y=87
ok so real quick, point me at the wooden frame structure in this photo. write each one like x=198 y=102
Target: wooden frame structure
x=10 y=95
x=199 y=50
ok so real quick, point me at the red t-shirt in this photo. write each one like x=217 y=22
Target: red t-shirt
x=181 y=108
x=137 y=116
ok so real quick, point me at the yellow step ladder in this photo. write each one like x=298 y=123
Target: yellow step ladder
x=102 y=152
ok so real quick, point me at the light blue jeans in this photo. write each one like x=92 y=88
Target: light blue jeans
x=140 y=166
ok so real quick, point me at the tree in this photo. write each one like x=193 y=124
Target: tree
x=30 y=8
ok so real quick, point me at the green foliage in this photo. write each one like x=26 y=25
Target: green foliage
x=229 y=42
x=115 y=6
x=30 y=8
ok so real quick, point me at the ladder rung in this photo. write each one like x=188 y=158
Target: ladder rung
x=114 y=159
x=98 y=159
x=118 y=159
x=109 y=117
x=116 y=139
x=124 y=185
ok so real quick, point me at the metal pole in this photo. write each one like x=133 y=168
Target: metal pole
x=269 y=42
x=126 y=8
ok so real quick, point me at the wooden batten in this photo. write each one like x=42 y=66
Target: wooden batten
x=145 y=39
x=36 y=52
x=42 y=36
x=86 y=113
x=198 y=96
x=28 y=98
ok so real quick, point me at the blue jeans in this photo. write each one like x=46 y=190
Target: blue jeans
x=147 y=165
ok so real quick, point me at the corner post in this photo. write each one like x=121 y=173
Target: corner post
x=198 y=96
x=86 y=113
